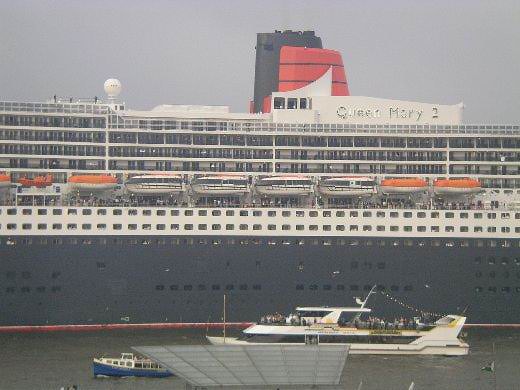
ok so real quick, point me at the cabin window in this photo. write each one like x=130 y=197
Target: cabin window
x=464 y=229
x=215 y=227
x=435 y=229
x=26 y=212
x=203 y=226
x=230 y=213
x=279 y=103
x=188 y=226
x=464 y=215
x=56 y=226
x=292 y=103
x=11 y=211
x=42 y=226
x=72 y=226
x=243 y=226
x=56 y=212
x=367 y=213
x=300 y=227
x=303 y=103
x=160 y=226
x=216 y=213
x=174 y=213
x=174 y=226
x=394 y=228
x=313 y=213
x=286 y=227
x=354 y=214
x=147 y=213
x=72 y=212
x=203 y=213
x=492 y=215
x=132 y=226
x=340 y=228
x=367 y=228
x=188 y=213
x=313 y=227
x=449 y=215
x=132 y=212
x=477 y=215
x=491 y=229
x=421 y=229
x=86 y=212
x=353 y=228
x=421 y=214
x=117 y=226
x=102 y=212
x=434 y=214
x=244 y=213
x=300 y=213
x=230 y=226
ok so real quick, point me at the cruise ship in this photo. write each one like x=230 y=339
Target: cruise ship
x=111 y=215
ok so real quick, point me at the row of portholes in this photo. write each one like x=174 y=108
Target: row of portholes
x=494 y=289
x=28 y=289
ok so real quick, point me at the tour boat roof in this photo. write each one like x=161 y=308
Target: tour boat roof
x=323 y=308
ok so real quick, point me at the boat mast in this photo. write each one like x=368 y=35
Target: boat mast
x=224 y=319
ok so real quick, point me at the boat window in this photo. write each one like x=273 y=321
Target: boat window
x=72 y=211
x=174 y=226
x=313 y=213
x=380 y=214
x=72 y=226
x=230 y=213
x=56 y=212
x=203 y=213
x=216 y=213
x=286 y=213
x=292 y=103
x=477 y=215
x=56 y=226
x=367 y=213
x=491 y=215
x=243 y=226
x=286 y=227
x=202 y=226
x=42 y=226
x=147 y=212
x=421 y=228
x=86 y=212
x=300 y=227
x=394 y=228
x=117 y=212
x=86 y=226
x=174 y=213
x=300 y=213
x=44 y=212
x=340 y=228
x=464 y=215
x=188 y=226
x=434 y=214
x=380 y=228
x=435 y=229
x=188 y=213
x=101 y=212
x=132 y=212
x=243 y=213
x=117 y=226
x=279 y=103
x=353 y=213
x=394 y=214
x=230 y=226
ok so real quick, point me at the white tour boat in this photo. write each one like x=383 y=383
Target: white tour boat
x=345 y=325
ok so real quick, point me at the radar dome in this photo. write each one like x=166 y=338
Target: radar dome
x=112 y=87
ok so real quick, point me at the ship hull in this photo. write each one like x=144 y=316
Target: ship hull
x=140 y=279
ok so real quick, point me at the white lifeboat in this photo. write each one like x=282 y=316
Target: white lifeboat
x=347 y=186
x=92 y=183
x=220 y=185
x=154 y=184
x=5 y=182
x=456 y=186
x=403 y=186
x=285 y=186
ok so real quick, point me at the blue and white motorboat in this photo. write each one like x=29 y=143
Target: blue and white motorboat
x=128 y=365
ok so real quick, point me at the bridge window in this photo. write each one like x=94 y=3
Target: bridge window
x=279 y=103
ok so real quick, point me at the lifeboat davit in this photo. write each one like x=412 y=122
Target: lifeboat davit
x=403 y=186
x=92 y=183
x=220 y=185
x=154 y=184
x=347 y=186
x=38 y=181
x=285 y=186
x=456 y=186
x=5 y=182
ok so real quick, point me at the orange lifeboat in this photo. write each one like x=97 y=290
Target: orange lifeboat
x=410 y=185
x=92 y=183
x=5 y=182
x=456 y=186
x=38 y=181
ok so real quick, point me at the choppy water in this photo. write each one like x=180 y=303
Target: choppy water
x=53 y=360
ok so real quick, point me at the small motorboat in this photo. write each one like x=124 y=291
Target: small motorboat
x=128 y=365
x=38 y=181
x=5 y=182
x=92 y=183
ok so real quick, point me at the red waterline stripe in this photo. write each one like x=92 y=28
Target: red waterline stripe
x=97 y=327
x=171 y=325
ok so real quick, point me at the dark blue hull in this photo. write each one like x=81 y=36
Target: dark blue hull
x=100 y=280
x=109 y=370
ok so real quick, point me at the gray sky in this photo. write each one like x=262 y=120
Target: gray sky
x=202 y=52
